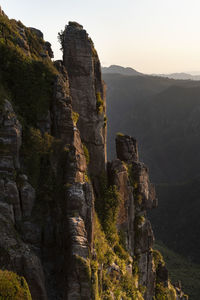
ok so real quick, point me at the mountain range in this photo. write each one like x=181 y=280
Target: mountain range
x=115 y=69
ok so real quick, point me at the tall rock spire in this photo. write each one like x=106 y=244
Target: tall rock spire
x=87 y=90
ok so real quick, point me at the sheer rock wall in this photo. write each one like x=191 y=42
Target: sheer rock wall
x=88 y=94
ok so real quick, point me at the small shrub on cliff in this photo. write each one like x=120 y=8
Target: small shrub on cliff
x=158 y=258
x=86 y=152
x=105 y=121
x=61 y=39
x=13 y=287
x=75 y=117
x=119 y=134
x=99 y=103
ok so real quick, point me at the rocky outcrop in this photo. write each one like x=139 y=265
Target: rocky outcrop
x=117 y=172
x=51 y=232
x=137 y=194
x=87 y=92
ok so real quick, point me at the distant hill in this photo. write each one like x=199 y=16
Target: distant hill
x=164 y=115
x=180 y=76
x=114 y=69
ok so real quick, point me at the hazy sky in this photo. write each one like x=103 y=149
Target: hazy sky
x=152 y=36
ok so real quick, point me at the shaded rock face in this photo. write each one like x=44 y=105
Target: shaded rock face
x=87 y=91
x=51 y=239
x=126 y=148
x=132 y=179
x=118 y=175
x=10 y=139
x=16 y=203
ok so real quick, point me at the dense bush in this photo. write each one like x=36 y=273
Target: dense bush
x=107 y=208
x=13 y=287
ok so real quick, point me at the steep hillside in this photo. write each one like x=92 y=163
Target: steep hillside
x=182 y=232
x=73 y=225
x=164 y=116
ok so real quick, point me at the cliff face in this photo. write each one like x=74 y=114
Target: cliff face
x=88 y=96
x=138 y=195
x=73 y=226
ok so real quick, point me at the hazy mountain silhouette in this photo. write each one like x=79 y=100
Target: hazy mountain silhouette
x=114 y=69
x=180 y=76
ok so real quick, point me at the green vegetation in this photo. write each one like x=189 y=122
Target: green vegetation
x=86 y=152
x=30 y=84
x=29 y=78
x=181 y=269
x=139 y=220
x=119 y=134
x=75 y=117
x=107 y=208
x=165 y=293
x=158 y=258
x=105 y=121
x=87 y=178
x=116 y=279
x=36 y=153
x=61 y=39
x=84 y=264
x=99 y=103
x=110 y=250
x=75 y=24
x=13 y=287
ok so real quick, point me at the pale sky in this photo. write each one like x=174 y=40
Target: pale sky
x=151 y=36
